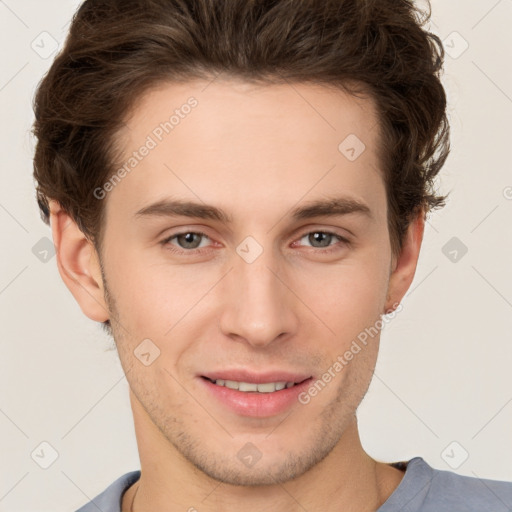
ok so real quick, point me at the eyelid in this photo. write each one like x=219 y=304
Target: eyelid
x=168 y=238
x=343 y=239
x=345 y=235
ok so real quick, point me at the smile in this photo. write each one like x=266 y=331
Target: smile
x=248 y=387
x=270 y=395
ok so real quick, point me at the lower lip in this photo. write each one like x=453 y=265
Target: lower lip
x=256 y=404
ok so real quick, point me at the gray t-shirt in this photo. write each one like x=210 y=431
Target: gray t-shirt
x=422 y=489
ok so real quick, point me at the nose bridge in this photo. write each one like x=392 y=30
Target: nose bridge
x=257 y=307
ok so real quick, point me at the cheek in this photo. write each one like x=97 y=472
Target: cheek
x=346 y=297
x=341 y=298
x=154 y=297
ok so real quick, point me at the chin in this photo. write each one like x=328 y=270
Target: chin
x=266 y=474
x=266 y=467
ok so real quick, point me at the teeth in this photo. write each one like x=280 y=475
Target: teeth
x=267 y=387
x=245 y=386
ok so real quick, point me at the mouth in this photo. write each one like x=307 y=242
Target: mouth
x=255 y=395
x=253 y=387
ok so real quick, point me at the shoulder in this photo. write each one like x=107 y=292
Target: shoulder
x=426 y=489
x=110 y=499
x=468 y=493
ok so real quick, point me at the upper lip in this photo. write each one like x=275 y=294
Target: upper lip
x=257 y=378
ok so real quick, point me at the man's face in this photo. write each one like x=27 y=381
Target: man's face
x=262 y=298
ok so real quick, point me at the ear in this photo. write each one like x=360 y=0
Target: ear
x=403 y=266
x=78 y=264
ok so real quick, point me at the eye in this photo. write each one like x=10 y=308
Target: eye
x=186 y=240
x=322 y=239
x=192 y=241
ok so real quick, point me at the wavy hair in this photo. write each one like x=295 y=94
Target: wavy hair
x=116 y=50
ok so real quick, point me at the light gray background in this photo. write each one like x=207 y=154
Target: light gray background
x=443 y=374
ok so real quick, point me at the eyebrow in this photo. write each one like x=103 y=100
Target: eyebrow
x=320 y=208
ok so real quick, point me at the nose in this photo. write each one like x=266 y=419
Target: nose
x=257 y=307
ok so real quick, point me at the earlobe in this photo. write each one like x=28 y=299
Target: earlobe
x=404 y=269
x=78 y=264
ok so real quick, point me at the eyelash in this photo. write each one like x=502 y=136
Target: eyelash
x=166 y=242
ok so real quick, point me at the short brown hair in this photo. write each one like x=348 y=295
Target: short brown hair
x=118 y=49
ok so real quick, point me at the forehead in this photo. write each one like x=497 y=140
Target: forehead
x=234 y=107
x=228 y=140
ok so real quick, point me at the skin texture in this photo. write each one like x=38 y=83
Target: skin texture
x=256 y=152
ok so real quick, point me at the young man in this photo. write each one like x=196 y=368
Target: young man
x=237 y=190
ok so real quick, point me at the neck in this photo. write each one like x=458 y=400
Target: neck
x=347 y=479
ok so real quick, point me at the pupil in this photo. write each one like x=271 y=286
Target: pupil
x=189 y=240
x=317 y=237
